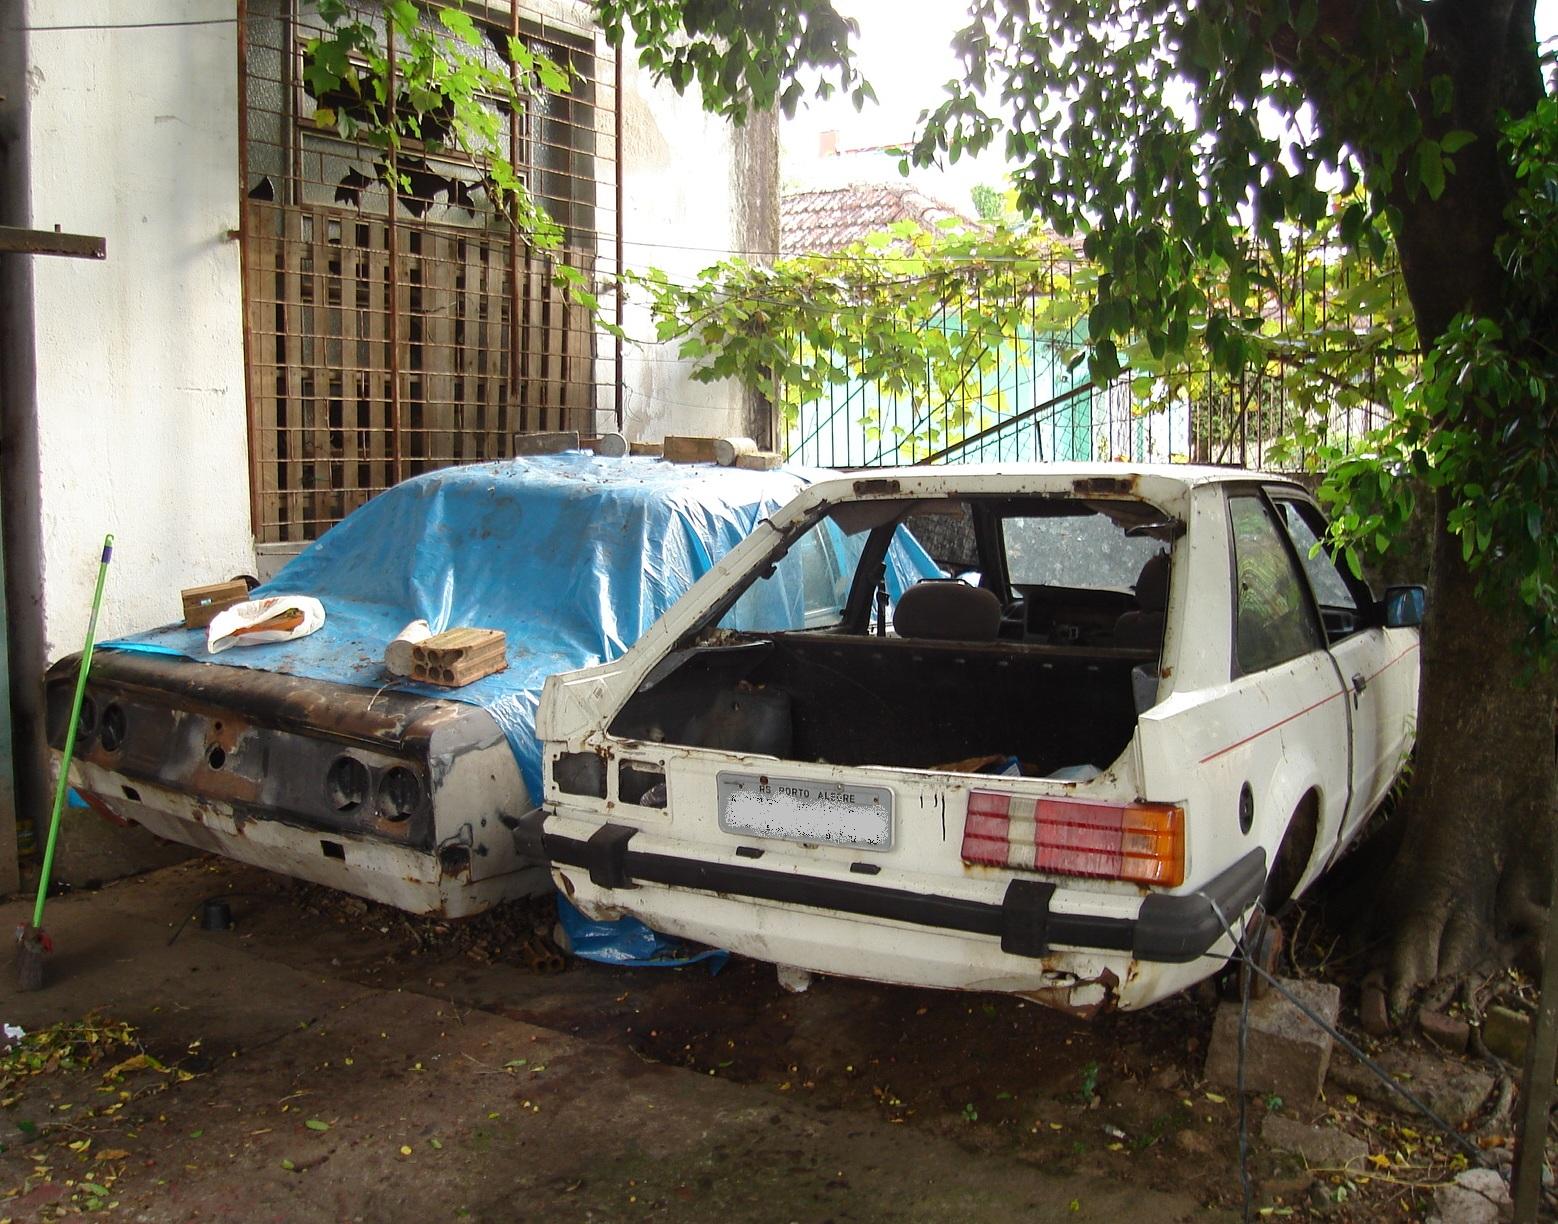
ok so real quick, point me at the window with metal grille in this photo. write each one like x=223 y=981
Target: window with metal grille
x=394 y=323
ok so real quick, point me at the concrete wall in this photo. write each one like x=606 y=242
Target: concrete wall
x=139 y=360
x=694 y=189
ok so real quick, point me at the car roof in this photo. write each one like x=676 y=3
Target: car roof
x=1092 y=479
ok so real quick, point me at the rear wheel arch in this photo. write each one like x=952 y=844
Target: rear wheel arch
x=1295 y=853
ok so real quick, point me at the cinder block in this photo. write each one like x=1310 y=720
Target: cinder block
x=1285 y=1052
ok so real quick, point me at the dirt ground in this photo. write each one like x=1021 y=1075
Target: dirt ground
x=330 y=1060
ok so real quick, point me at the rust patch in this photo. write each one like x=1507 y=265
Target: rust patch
x=1060 y=996
x=103 y=810
x=225 y=733
x=1104 y=486
x=870 y=488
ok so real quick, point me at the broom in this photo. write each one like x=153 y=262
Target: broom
x=32 y=941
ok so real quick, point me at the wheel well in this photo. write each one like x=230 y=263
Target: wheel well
x=1293 y=854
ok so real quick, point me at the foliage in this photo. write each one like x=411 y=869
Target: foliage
x=988 y=203
x=744 y=57
x=929 y=315
x=1168 y=133
x=446 y=94
x=925 y=314
x=1194 y=148
x=1479 y=423
x=69 y=1045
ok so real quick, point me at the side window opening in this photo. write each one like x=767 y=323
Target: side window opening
x=1340 y=606
x=1272 y=619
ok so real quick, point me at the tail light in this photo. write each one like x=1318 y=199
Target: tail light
x=1144 y=842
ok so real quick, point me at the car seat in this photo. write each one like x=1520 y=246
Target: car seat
x=948 y=610
x=1144 y=625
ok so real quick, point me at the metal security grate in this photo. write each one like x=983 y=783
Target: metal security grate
x=394 y=324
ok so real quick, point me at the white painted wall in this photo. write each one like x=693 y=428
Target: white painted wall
x=140 y=393
x=680 y=214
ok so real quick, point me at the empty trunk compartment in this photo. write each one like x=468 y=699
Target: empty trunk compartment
x=864 y=700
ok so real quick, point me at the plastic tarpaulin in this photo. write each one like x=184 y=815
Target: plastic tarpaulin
x=571 y=555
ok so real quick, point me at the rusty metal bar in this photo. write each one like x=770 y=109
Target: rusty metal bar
x=15 y=240
x=513 y=418
x=392 y=276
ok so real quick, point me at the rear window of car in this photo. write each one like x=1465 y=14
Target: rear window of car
x=1086 y=550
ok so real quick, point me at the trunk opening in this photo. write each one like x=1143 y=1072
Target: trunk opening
x=866 y=700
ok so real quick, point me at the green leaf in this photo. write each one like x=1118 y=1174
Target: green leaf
x=460 y=25
x=314 y=1124
x=552 y=77
x=1430 y=168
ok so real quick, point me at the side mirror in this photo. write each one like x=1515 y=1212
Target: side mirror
x=1404 y=606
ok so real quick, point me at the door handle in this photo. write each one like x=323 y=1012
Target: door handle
x=1358 y=685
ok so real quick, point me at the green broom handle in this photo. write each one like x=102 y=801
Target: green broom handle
x=70 y=734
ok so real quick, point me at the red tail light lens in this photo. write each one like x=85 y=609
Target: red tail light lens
x=1144 y=842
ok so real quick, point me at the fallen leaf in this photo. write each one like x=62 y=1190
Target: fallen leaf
x=1216 y=1099
x=314 y=1124
x=405 y=1149
x=113 y=1154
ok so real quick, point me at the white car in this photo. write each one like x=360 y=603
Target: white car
x=1141 y=701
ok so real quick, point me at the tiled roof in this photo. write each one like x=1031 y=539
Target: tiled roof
x=819 y=222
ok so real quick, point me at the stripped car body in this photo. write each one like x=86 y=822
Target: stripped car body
x=307 y=758
x=1161 y=704
x=402 y=798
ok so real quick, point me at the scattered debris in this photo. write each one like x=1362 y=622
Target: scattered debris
x=515 y=933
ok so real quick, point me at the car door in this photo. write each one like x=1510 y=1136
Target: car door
x=1295 y=719
x=1357 y=642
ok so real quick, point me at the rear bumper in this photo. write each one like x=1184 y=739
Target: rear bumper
x=1024 y=925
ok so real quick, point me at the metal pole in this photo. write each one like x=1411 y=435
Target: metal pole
x=1536 y=1092
x=392 y=328
x=245 y=273
x=616 y=123
x=70 y=735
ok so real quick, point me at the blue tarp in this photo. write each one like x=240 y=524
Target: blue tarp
x=572 y=556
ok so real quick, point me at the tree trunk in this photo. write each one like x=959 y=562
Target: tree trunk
x=1469 y=885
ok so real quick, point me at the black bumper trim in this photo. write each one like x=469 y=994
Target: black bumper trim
x=1171 y=929
x=1179 y=929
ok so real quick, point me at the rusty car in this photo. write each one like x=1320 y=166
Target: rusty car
x=1139 y=707
x=307 y=758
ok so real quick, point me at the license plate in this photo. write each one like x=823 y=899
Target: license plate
x=798 y=810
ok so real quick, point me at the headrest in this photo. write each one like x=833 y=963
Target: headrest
x=1152 y=583
x=945 y=609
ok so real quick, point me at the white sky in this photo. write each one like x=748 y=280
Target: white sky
x=905 y=52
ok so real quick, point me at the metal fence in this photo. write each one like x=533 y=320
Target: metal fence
x=393 y=322
x=1033 y=402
